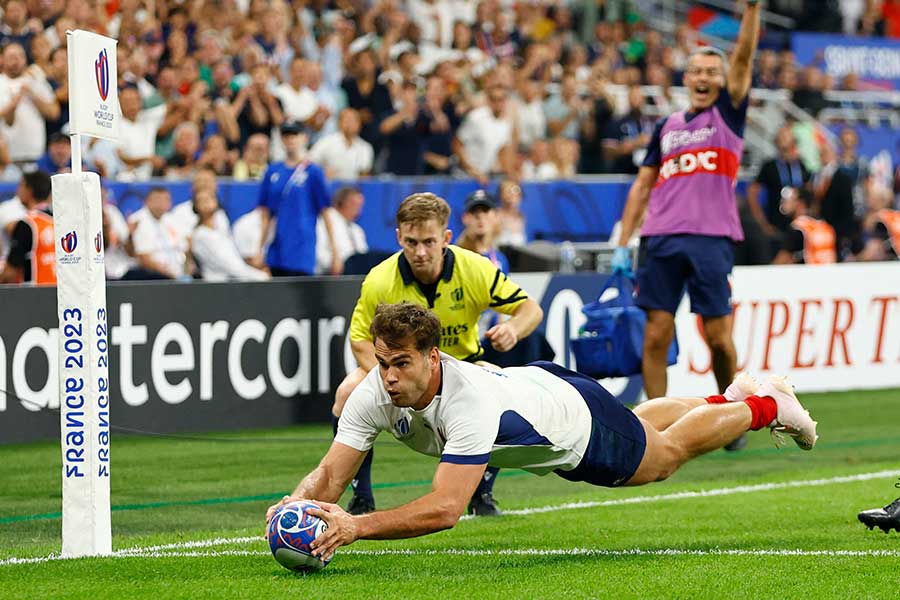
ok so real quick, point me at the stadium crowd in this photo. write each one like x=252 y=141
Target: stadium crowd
x=484 y=90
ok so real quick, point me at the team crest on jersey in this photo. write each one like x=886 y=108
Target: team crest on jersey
x=401 y=427
x=458 y=296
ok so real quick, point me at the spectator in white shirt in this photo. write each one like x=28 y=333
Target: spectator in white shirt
x=26 y=100
x=530 y=118
x=297 y=100
x=330 y=98
x=184 y=218
x=343 y=154
x=539 y=166
x=349 y=237
x=157 y=246
x=484 y=141
x=117 y=261
x=137 y=136
x=214 y=250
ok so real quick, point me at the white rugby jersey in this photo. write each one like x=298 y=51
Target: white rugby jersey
x=521 y=417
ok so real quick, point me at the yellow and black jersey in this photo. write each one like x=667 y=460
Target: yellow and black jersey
x=469 y=284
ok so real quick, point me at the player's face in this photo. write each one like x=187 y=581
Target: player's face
x=406 y=373
x=423 y=245
x=704 y=78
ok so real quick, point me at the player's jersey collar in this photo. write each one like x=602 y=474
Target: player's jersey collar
x=446 y=271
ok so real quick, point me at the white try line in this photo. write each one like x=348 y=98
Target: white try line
x=176 y=547
x=589 y=552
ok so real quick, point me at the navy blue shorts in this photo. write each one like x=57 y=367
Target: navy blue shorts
x=666 y=263
x=617 y=442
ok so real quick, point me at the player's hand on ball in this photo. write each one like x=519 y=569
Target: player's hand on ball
x=342 y=530
x=274 y=507
x=503 y=337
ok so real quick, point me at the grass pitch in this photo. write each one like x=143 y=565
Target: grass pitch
x=188 y=522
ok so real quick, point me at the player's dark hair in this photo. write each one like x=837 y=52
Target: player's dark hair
x=39 y=184
x=399 y=324
x=421 y=207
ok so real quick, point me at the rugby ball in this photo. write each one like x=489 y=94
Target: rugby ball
x=289 y=534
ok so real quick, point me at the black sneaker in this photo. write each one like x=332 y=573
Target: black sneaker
x=360 y=505
x=484 y=505
x=738 y=444
x=886 y=518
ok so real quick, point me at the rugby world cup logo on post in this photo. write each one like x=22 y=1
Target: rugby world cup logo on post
x=69 y=242
x=101 y=74
x=98 y=242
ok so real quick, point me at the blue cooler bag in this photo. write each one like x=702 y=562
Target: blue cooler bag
x=611 y=342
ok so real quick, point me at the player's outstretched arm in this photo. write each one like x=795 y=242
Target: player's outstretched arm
x=451 y=490
x=329 y=480
x=740 y=72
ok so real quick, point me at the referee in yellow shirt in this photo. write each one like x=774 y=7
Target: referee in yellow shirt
x=457 y=285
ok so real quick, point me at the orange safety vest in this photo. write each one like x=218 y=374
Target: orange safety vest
x=819 y=240
x=43 y=248
x=891 y=220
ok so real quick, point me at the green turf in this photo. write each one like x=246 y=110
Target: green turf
x=166 y=491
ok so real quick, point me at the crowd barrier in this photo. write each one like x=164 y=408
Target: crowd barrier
x=560 y=210
x=201 y=357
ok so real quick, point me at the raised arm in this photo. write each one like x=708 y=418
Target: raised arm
x=740 y=72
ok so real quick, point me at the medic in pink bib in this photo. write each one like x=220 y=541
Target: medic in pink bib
x=686 y=186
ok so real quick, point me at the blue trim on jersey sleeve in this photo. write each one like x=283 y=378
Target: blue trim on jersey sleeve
x=515 y=430
x=735 y=118
x=463 y=459
x=654 y=149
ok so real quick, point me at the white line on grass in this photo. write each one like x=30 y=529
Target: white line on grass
x=162 y=550
x=740 y=489
x=543 y=552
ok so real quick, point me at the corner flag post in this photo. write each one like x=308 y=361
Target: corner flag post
x=81 y=303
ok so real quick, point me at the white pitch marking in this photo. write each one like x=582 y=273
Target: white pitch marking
x=741 y=489
x=545 y=552
x=186 y=545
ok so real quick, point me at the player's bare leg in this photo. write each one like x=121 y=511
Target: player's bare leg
x=657 y=338
x=710 y=427
x=701 y=430
x=662 y=412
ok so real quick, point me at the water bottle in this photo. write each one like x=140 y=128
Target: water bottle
x=567 y=256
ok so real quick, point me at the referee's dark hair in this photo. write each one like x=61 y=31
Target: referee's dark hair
x=399 y=324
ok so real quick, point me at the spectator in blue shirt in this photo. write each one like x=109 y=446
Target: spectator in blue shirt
x=294 y=193
x=58 y=157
